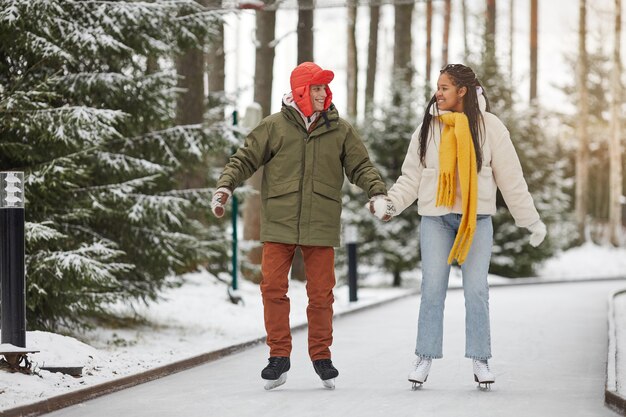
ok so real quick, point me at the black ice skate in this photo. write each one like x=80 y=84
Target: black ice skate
x=326 y=371
x=275 y=373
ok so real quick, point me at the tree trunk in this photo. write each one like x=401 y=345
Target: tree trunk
x=446 y=31
x=152 y=64
x=582 y=154
x=263 y=76
x=397 y=278
x=190 y=108
x=216 y=64
x=491 y=20
x=264 y=61
x=402 y=61
x=490 y=41
x=429 y=40
x=533 y=49
x=372 y=52
x=466 y=51
x=352 y=70
x=489 y=55
x=305 y=31
x=190 y=68
x=615 y=151
x=511 y=38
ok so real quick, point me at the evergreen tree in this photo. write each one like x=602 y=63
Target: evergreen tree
x=392 y=245
x=599 y=93
x=544 y=171
x=93 y=128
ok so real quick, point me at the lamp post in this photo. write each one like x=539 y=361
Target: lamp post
x=12 y=258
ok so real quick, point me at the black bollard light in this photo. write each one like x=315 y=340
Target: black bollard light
x=12 y=258
x=351 y=234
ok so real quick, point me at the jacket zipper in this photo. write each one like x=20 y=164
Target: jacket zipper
x=301 y=192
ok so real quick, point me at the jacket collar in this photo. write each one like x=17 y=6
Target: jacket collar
x=291 y=111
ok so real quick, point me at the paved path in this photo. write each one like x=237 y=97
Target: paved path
x=549 y=345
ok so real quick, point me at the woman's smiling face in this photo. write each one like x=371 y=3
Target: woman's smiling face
x=448 y=96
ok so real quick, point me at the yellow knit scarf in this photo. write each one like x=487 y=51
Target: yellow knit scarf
x=457 y=149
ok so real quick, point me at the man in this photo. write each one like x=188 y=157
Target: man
x=305 y=149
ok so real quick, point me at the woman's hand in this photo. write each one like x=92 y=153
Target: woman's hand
x=538 y=232
x=382 y=207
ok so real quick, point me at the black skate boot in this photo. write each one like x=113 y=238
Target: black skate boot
x=275 y=373
x=326 y=371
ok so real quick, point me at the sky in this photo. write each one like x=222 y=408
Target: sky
x=558 y=24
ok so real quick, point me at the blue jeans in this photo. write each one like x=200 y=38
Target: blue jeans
x=437 y=235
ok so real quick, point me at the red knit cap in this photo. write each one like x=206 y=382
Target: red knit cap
x=302 y=77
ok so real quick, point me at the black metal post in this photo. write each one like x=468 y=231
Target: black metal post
x=12 y=259
x=352 y=271
x=235 y=246
x=351 y=235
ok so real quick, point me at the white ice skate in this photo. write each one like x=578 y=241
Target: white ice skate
x=419 y=371
x=483 y=375
x=271 y=384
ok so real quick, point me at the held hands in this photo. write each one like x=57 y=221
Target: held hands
x=538 y=232
x=382 y=207
x=220 y=197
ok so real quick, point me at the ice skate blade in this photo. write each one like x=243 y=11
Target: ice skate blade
x=271 y=384
x=329 y=383
x=416 y=385
x=484 y=385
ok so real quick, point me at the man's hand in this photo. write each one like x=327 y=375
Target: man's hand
x=220 y=197
x=382 y=207
x=538 y=232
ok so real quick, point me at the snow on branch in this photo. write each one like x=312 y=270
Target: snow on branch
x=37 y=232
x=89 y=261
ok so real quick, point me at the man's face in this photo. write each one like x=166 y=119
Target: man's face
x=318 y=96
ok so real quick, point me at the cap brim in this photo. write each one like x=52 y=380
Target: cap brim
x=323 y=77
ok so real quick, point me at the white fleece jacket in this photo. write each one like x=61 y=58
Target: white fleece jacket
x=501 y=168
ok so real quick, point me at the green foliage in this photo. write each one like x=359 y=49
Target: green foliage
x=94 y=132
x=393 y=245
x=545 y=171
x=600 y=89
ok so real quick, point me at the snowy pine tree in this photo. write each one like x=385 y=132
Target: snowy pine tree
x=544 y=171
x=600 y=89
x=94 y=131
x=393 y=245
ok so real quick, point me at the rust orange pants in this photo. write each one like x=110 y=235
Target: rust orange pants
x=319 y=266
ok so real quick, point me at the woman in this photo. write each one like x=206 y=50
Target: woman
x=455 y=161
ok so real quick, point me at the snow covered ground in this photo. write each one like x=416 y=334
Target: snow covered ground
x=197 y=318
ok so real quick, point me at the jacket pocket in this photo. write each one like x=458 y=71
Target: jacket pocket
x=428 y=186
x=281 y=203
x=326 y=207
x=284 y=188
x=327 y=191
x=486 y=184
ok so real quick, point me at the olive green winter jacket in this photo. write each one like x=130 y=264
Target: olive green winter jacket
x=303 y=175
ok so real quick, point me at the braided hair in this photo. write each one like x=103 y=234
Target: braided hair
x=461 y=76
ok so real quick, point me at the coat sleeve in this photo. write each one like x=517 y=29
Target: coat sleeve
x=509 y=177
x=404 y=192
x=358 y=166
x=251 y=156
